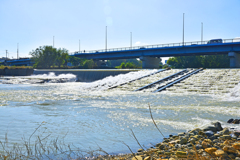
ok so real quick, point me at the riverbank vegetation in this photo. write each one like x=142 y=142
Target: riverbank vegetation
x=205 y=61
x=15 y=67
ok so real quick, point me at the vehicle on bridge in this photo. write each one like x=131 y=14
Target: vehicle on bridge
x=215 y=41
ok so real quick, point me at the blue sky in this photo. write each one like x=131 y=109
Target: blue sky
x=33 y=23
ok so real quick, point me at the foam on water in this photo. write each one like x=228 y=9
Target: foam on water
x=116 y=80
x=44 y=78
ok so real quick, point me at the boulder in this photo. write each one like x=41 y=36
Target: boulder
x=236 y=121
x=220 y=153
x=210 y=150
x=218 y=126
x=137 y=158
x=210 y=128
x=230 y=120
x=236 y=146
x=225 y=131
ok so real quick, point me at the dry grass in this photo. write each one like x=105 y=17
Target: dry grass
x=43 y=148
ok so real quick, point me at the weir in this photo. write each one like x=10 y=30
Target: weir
x=86 y=75
x=161 y=70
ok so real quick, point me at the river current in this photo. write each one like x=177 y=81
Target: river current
x=90 y=118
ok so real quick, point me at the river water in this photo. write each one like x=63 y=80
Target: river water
x=88 y=116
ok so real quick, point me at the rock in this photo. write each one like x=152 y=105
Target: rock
x=167 y=153
x=206 y=143
x=195 y=131
x=178 y=145
x=181 y=154
x=137 y=158
x=147 y=158
x=217 y=135
x=229 y=149
x=210 y=150
x=183 y=141
x=225 y=131
x=230 y=120
x=220 y=153
x=227 y=137
x=140 y=150
x=237 y=158
x=236 y=121
x=236 y=133
x=161 y=147
x=209 y=133
x=218 y=126
x=198 y=146
x=210 y=128
x=181 y=134
x=236 y=146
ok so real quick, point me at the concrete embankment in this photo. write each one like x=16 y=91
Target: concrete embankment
x=16 y=72
x=86 y=75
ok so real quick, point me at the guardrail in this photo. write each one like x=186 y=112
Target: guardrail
x=156 y=46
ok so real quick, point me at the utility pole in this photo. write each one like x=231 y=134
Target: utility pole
x=17 y=52
x=131 y=40
x=202 y=33
x=183 y=29
x=53 y=41
x=6 y=54
x=106 y=40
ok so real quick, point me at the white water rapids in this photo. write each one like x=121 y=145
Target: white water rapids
x=88 y=115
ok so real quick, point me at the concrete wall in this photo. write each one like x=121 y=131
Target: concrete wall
x=86 y=75
x=16 y=72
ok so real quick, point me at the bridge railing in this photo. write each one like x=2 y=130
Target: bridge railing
x=155 y=46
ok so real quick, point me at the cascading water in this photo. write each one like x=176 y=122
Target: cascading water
x=89 y=115
x=44 y=78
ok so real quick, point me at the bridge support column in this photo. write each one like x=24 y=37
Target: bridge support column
x=150 y=62
x=234 y=59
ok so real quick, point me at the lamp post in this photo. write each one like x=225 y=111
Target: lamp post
x=53 y=41
x=131 y=40
x=183 y=29
x=202 y=33
x=106 y=40
x=17 y=52
x=79 y=45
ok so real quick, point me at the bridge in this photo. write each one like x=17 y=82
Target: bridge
x=150 y=54
x=19 y=62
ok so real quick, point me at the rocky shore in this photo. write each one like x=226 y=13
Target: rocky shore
x=210 y=143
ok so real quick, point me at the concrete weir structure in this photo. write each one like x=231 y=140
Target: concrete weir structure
x=85 y=75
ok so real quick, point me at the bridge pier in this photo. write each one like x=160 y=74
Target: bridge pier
x=150 y=62
x=234 y=59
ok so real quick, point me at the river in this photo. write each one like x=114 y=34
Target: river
x=89 y=118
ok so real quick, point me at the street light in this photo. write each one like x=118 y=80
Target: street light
x=131 y=40
x=106 y=40
x=183 y=29
x=202 y=33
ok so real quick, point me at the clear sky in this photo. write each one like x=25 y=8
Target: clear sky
x=33 y=23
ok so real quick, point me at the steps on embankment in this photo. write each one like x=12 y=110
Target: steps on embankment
x=146 y=80
x=115 y=86
x=208 y=81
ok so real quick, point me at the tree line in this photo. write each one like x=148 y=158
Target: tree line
x=49 y=57
x=204 y=61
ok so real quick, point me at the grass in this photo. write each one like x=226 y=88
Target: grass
x=43 y=148
x=15 y=67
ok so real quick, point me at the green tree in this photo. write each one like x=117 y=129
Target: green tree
x=207 y=61
x=47 y=56
x=89 y=64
